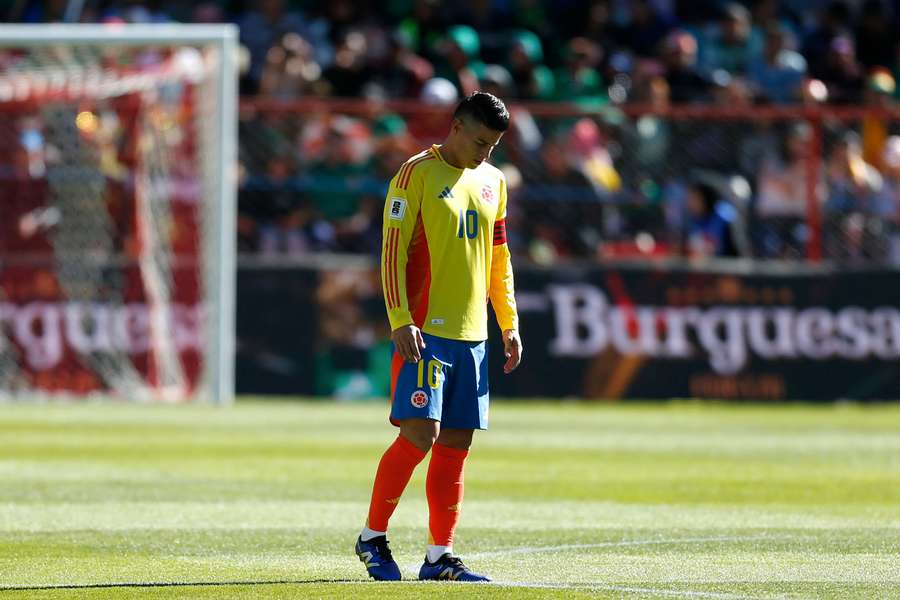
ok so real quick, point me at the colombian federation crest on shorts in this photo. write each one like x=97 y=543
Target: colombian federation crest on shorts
x=418 y=399
x=487 y=193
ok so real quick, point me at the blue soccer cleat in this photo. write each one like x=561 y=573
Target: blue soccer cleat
x=449 y=568
x=376 y=555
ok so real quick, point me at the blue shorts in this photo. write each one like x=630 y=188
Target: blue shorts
x=449 y=384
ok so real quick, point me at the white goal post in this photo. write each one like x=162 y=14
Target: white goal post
x=118 y=176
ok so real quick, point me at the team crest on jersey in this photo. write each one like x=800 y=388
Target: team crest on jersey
x=487 y=193
x=419 y=399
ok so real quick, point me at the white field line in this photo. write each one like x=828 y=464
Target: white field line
x=414 y=569
x=539 y=549
x=630 y=590
x=503 y=584
x=684 y=594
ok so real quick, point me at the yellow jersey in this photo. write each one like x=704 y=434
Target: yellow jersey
x=444 y=253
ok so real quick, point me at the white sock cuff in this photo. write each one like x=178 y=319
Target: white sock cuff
x=367 y=534
x=435 y=552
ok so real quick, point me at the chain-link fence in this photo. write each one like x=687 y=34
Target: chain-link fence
x=796 y=184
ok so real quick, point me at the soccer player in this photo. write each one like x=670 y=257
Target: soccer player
x=444 y=257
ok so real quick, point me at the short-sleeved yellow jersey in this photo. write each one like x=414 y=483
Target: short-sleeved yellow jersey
x=444 y=253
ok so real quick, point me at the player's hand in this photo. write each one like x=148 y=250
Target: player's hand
x=409 y=341
x=512 y=347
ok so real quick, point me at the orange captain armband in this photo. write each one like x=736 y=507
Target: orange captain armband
x=500 y=232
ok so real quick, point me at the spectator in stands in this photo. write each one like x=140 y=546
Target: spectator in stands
x=533 y=80
x=644 y=30
x=875 y=36
x=424 y=28
x=431 y=127
x=460 y=61
x=652 y=134
x=594 y=22
x=534 y=15
x=842 y=73
x=730 y=46
x=264 y=25
x=833 y=21
x=713 y=224
x=35 y=11
x=764 y=13
x=339 y=174
x=852 y=182
x=594 y=151
x=579 y=79
x=854 y=187
x=574 y=50
x=290 y=70
x=206 y=12
x=778 y=72
x=781 y=198
x=497 y=80
x=438 y=91
x=135 y=12
x=560 y=198
x=392 y=144
x=360 y=233
x=780 y=189
x=887 y=204
x=694 y=12
x=880 y=88
x=895 y=70
x=523 y=138
x=480 y=15
x=264 y=135
x=679 y=56
x=345 y=16
x=711 y=146
x=350 y=71
x=276 y=219
x=403 y=73
x=589 y=147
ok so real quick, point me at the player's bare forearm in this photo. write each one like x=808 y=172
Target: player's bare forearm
x=409 y=342
x=512 y=348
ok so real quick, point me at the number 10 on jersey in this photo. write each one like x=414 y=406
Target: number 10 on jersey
x=468 y=224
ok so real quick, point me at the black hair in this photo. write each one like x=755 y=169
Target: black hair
x=838 y=11
x=708 y=194
x=485 y=108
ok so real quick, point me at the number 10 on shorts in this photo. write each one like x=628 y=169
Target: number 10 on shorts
x=435 y=372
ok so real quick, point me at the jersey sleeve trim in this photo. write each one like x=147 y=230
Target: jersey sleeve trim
x=405 y=175
x=393 y=288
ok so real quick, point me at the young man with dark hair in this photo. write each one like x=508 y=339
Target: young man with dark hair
x=444 y=256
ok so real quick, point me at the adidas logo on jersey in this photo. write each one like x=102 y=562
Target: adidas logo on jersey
x=445 y=193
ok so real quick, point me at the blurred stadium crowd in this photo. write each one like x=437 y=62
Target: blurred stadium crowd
x=598 y=164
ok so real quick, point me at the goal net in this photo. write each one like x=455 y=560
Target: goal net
x=117 y=147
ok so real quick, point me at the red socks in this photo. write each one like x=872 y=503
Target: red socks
x=396 y=467
x=444 y=489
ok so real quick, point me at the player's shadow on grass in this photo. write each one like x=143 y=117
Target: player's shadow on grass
x=163 y=584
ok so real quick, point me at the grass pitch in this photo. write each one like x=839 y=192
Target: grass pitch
x=264 y=500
